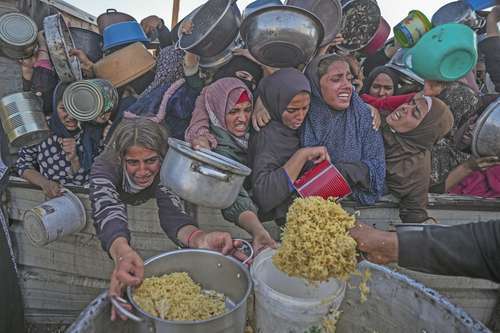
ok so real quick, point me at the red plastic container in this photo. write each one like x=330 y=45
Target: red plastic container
x=324 y=180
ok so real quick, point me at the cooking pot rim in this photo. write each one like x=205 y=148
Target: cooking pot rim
x=467 y=11
x=480 y=124
x=208 y=31
x=341 y=47
x=244 y=270
x=209 y=157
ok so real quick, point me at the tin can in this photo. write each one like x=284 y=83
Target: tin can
x=55 y=219
x=18 y=34
x=87 y=100
x=412 y=28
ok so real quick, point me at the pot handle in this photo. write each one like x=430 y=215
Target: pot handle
x=247 y=244
x=209 y=172
x=117 y=302
x=111 y=10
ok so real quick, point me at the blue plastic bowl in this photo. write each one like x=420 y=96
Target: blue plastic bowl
x=123 y=33
x=481 y=4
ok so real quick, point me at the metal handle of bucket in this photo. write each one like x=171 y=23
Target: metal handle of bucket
x=247 y=244
x=209 y=172
x=117 y=302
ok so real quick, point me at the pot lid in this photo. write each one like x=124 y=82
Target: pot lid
x=480 y=129
x=209 y=157
x=17 y=29
x=83 y=101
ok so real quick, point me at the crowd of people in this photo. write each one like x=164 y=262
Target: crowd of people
x=384 y=134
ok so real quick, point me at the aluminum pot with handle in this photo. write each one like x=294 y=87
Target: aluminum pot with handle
x=202 y=177
x=213 y=271
x=112 y=16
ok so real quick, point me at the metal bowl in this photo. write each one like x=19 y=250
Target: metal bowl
x=486 y=136
x=282 y=36
x=222 y=58
x=329 y=13
x=458 y=12
x=359 y=31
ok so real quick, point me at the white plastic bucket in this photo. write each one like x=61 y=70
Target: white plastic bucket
x=284 y=304
x=55 y=219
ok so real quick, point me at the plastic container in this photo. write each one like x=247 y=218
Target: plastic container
x=408 y=32
x=324 y=180
x=446 y=53
x=285 y=304
x=480 y=4
x=54 y=219
x=123 y=33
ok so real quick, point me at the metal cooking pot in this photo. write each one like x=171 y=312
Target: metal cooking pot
x=222 y=58
x=359 y=31
x=213 y=271
x=458 y=12
x=22 y=118
x=379 y=38
x=111 y=16
x=215 y=26
x=329 y=13
x=202 y=177
x=88 y=41
x=60 y=42
x=282 y=36
x=486 y=136
x=18 y=34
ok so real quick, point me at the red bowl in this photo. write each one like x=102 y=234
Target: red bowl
x=324 y=180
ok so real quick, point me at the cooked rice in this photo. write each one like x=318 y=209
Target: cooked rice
x=316 y=244
x=176 y=296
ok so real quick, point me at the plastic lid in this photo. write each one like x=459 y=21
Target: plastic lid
x=17 y=29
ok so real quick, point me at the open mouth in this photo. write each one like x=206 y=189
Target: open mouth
x=344 y=96
x=396 y=116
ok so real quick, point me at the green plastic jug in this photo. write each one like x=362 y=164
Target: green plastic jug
x=446 y=53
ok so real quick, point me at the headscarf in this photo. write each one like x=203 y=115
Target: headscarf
x=215 y=101
x=55 y=124
x=273 y=145
x=348 y=135
x=240 y=63
x=408 y=160
x=375 y=73
x=168 y=68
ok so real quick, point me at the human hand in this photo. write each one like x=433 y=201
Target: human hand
x=218 y=241
x=380 y=247
x=151 y=23
x=328 y=48
x=262 y=241
x=69 y=148
x=187 y=27
x=27 y=67
x=260 y=115
x=200 y=142
x=191 y=60
x=86 y=65
x=52 y=189
x=316 y=154
x=376 y=118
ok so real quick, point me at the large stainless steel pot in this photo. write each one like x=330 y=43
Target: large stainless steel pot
x=17 y=35
x=202 y=177
x=213 y=271
x=215 y=26
x=22 y=118
x=282 y=36
x=486 y=136
x=328 y=11
x=60 y=42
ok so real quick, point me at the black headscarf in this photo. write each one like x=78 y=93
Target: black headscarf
x=241 y=63
x=373 y=75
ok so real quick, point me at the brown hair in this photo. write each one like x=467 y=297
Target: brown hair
x=325 y=63
x=138 y=132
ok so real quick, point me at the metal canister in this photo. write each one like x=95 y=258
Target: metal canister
x=87 y=100
x=54 y=219
x=23 y=120
x=412 y=28
x=18 y=34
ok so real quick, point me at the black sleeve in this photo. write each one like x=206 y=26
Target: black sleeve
x=490 y=47
x=164 y=36
x=470 y=250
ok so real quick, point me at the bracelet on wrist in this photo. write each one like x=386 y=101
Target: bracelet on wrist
x=191 y=235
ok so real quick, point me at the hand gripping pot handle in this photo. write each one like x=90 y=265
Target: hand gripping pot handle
x=209 y=172
x=118 y=301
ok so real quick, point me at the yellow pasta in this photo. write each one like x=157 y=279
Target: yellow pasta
x=316 y=244
x=176 y=296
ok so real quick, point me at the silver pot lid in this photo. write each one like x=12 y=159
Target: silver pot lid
x=486 y=135
x=83 y=101
x=209 y=157
x=17 y=29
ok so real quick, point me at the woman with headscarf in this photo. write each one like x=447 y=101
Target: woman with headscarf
x=342 y=122
x=59 y=159
x=409 y=133
x=275 y=155
x=227 y=106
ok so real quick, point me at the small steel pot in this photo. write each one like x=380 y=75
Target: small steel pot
x=111 y=16
x=486 y=136
x=18 y=34
x=213 y=271
x=350 y=24
x=378 y=40
x=202 y=177
x=88 y=41
x=215 y=26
